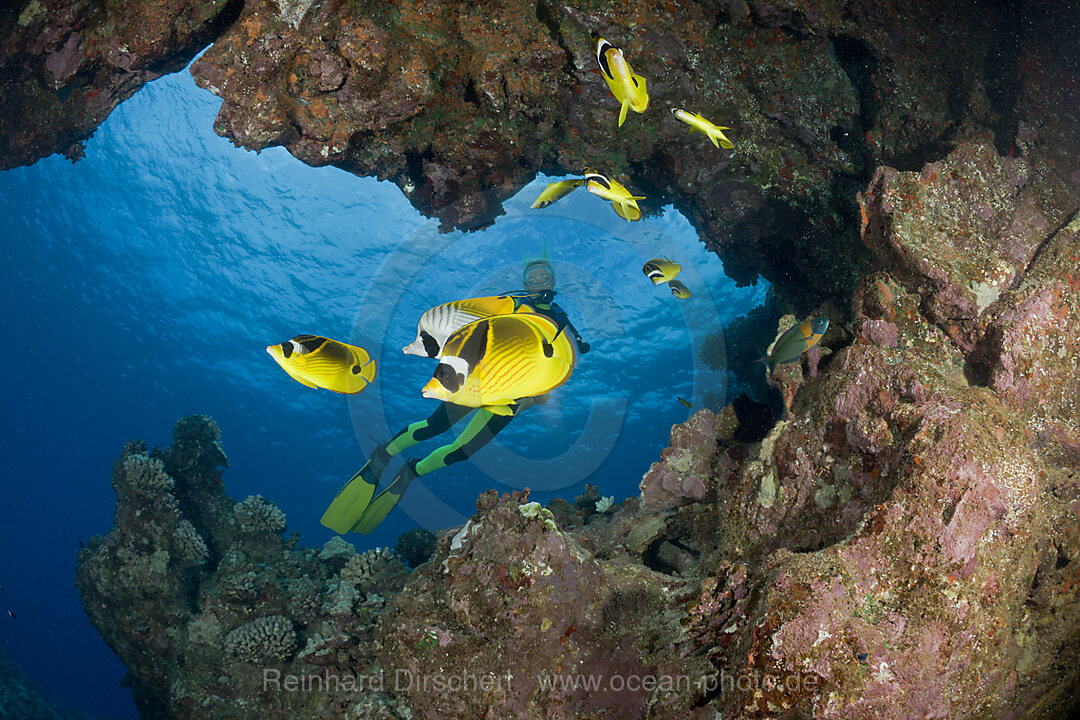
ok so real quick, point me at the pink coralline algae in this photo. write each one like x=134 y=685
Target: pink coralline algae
x=685 y=466
x=64 y=62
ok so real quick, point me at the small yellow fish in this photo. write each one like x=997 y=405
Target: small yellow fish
x=624 y=204
x=684 y=401
x=697 y=122
x=556 y=191
x=320 y=362
x=627 y=87
x=679 y=290
x=661 y=270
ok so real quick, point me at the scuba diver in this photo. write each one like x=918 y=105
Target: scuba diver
x=357 y=508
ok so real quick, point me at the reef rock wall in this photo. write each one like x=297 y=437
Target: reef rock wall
x=65 y=64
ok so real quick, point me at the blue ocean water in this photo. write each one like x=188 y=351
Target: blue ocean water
x=143 y=283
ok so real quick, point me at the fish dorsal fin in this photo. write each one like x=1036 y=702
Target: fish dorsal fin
x=310 y=343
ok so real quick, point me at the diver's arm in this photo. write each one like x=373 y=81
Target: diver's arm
x=563 y=320
x=583 y=347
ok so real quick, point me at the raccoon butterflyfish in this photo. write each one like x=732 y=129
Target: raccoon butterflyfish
x=699 y=123
x=624 y=204
x=627 y=87
x=661 y=270
x=320 y=362
x=679 y=290
x=492 y=363
x=798 y=339
x=556 y=191
x=438 y=323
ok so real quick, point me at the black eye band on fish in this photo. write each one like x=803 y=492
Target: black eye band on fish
x=286 y=350
x=431 y=347
x=602 y=49
x=601 y=180
x=448 y=377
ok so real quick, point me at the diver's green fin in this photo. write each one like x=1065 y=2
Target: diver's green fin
x=349 y=505
x=355 y=497
x=385 y=501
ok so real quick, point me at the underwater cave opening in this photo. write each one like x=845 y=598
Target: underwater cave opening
x=152 y=274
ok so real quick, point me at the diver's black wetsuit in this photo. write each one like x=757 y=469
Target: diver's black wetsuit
x=544 y=304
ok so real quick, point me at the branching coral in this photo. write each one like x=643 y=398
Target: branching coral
x=259 y=515
x=266 y=638
x=363 y=567
x=188 y=545
x=337 y=550
x=146 y=474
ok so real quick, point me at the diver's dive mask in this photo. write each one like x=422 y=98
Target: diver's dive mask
x=538 y=276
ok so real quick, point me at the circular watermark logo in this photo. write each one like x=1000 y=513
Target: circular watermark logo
x=597 y=259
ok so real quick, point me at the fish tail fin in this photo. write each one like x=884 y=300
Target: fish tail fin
x=622 y=112
x=644 y=87
x=369 y=371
